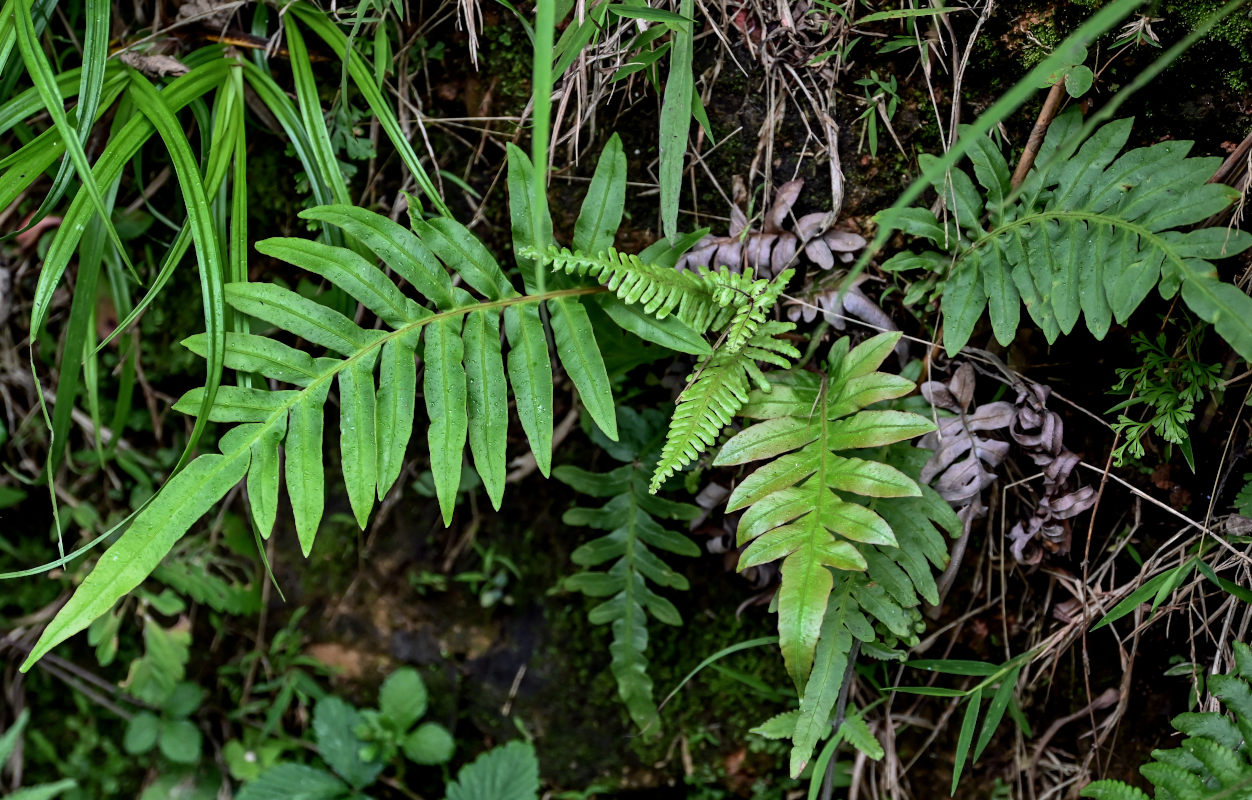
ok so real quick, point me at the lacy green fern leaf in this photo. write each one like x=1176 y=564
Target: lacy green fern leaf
x=716 y=391
x=660 y=290
x=634 y=533
x=733 y=305
x=1089 y=235
x=856 y=533
x=1213 y=762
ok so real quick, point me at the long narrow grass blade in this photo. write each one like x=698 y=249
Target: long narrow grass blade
x=120 y=150
x=45 y=81
x=541 y=81
x=90 y=90
x=79 y=327
x=363 y=77
x=203 y=235
x=278 y=104
x=314 y=122
x=28 y=103
x=676 y=120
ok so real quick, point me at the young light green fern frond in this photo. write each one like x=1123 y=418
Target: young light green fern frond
x=1086 y=236
x=634 y=535
x=660 y=290
x=1213 y=762
x=733 y=305
x=858 y=537
x=715 y=392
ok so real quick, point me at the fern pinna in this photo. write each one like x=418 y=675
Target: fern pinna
x=634 y=533
x=1087 y=235
x=1213 y=762
x=454 y=328
x=858 y=536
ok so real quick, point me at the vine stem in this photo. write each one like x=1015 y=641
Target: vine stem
x=1051 y=105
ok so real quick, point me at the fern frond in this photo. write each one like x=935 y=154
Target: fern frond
x=1214 y=762
x=465 y=387
x=631 y=517
x=716 y=391
x=839 y=520
x=1089 y=236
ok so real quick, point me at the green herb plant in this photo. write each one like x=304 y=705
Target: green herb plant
x=1167 y=385
x=358 y=744
x=882 y=98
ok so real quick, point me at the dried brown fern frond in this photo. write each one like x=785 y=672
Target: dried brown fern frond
x=775 y=246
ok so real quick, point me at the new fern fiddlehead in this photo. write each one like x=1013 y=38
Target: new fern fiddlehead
x=858 y=536
x=634 y=535
x=1090 y=235
x=1213 y=762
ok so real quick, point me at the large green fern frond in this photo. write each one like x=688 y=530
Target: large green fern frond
x=1213 y=762
x=1090 y=235
x=467 y=378
x=634 y=535
x=858 y=537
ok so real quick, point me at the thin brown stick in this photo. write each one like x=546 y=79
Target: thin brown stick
x=1046 y=114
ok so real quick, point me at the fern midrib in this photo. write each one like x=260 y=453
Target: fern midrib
x=416 y=325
